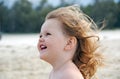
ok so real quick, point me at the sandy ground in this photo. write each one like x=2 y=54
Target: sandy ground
x=19 y=57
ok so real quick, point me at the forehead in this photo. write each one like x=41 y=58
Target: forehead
x=51 y=24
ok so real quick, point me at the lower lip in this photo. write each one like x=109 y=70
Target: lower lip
x=42 y=50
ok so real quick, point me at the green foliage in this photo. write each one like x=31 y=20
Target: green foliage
x=23 y=18
x=3 y=16
x=104 y=10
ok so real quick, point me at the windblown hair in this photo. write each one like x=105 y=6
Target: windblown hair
x=76 y=23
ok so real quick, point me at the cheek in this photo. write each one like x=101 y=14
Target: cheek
x=58 y=43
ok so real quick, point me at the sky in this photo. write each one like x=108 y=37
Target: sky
x=53 y=2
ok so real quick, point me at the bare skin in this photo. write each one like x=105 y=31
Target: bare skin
x=66 y=71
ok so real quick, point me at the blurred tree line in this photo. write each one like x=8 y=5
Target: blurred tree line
x=23 y=18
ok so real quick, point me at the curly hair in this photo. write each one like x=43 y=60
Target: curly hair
x=76 y=23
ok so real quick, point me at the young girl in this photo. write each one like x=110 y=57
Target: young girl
x=68 y=41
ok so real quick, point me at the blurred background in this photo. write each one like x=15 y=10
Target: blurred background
x=26 y=16
x=20 y=23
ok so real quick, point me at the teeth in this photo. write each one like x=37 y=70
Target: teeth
x=43 y=47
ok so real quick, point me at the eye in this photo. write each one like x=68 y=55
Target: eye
x=48 y=34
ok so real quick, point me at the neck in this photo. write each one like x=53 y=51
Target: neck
x=62 y=60
x=60 y=64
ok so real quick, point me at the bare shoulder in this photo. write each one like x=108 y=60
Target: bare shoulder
x=71 y=74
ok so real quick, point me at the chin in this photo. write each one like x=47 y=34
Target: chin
x=42 y=54
x=44 y=58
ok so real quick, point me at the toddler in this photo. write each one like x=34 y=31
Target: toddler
x=68 y=41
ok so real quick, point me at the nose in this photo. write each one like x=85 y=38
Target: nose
x=41 y=39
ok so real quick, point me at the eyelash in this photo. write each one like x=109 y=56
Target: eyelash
x=45 y=34
x=48 y=34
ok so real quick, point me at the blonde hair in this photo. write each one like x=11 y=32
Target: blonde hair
x=76 y=23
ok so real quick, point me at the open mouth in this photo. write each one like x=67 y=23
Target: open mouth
x=42 y=47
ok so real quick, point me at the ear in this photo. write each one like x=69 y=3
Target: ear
x=71 y=43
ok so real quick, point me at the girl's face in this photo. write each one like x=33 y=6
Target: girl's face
x=52 y=40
